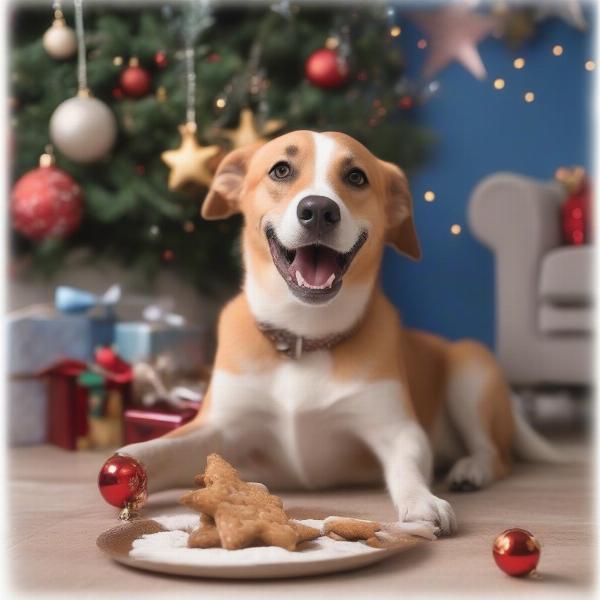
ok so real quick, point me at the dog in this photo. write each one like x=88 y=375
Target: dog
x=316 y=383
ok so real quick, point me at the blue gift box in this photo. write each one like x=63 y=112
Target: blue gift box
x=188 y=346
x=38 y=340
x=27 y=412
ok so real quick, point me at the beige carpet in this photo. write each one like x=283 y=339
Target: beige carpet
x=57 y=513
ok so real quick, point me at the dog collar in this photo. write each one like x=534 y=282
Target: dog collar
x=294 y=346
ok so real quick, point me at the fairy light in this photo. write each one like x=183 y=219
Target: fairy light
x=395 y=31
x=590 y=65
x=519 y=63
x=117 y=61
x=455 y=229
x=529 y=97
x=429 y=196
x=557 y=50
x=189 y=226
x=422 y=44
x=220 y=102
x=499 y=83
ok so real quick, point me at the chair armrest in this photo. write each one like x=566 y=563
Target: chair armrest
x=515 y=214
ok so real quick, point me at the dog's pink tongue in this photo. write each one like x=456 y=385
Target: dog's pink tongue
x=316 y=264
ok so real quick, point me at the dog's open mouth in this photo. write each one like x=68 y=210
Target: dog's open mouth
x=314 y=272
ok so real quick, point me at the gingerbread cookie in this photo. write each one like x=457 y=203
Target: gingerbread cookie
x=352 y=530
x=244 y=514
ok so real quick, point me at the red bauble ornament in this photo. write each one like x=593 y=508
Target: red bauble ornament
x=135 y=81
x=576 y=210
x=516 y=552
x=46 y=203
x=123 y=483
x=325 y=69
x=161 y=60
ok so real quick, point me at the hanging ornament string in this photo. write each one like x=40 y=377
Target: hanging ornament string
x=83 y=128
x=191 y=162
x=190 y=78
x=197 y=19
x=81 y=50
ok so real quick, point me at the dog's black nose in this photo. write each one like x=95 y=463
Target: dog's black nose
x=318 y=214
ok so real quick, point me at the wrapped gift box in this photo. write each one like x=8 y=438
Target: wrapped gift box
x=84 y=407
x=27 y=411
x=189 y=347
x=140 y=425
x=38 y=340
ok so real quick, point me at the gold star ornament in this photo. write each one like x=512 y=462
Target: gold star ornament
x=248 y=132
x=190 y=163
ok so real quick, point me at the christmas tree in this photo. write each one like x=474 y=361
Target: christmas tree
x=245 y=58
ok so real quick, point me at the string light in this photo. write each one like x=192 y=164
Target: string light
x=395 y=31
x=590 y=65
x=220 y=102
x=189 y=226
x=422 y=44
x=118 y=61
x=499 y=83
x=429 y=196
x=519 y=63
x=557 y=50
x=455 y=229
x=529 y=97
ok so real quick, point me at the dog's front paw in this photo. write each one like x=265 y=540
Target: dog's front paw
x=424 y=507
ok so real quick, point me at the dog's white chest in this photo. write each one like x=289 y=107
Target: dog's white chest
x=304 y=424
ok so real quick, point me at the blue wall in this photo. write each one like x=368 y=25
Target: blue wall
x=480 y=131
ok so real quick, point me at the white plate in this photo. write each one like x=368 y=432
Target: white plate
x=160 y=545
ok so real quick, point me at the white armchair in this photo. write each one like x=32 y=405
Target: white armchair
x=543 y=290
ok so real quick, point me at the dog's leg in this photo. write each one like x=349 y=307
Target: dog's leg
x=406 y=457
x=480 y=412
x=173 y=460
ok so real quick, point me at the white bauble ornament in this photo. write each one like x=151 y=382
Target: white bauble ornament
x=60 y=41
x=83 y=129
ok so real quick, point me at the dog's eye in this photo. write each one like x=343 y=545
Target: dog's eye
x=281 y=170
x=357 y=178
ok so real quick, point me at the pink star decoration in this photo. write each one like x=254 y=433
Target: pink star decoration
x=453 y=33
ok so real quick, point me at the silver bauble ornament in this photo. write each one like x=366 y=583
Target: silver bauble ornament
x=60 y=41
x=83 y=129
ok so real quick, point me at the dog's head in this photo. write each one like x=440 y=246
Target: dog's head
x=318 y=209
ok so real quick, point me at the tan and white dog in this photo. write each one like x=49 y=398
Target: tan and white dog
x=316 y=383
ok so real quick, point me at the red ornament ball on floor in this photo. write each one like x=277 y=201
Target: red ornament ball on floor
x=46 y=203
x=135 y=81
x=122 y=480
x=516 y=552
x=325 y=69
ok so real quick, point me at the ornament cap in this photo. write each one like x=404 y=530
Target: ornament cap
x=59 y=18
x=190 y=127
x=47 y=159
x=134 y=61
x=84 y=93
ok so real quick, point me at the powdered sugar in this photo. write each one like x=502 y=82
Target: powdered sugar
x=171 y=547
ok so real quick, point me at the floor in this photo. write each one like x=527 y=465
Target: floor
x=57 y=513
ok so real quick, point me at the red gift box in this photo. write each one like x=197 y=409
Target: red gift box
x=141 y=425
x=68 y=407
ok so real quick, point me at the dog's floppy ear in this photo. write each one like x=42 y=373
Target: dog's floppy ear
x=223 y=197
x=401 y=232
